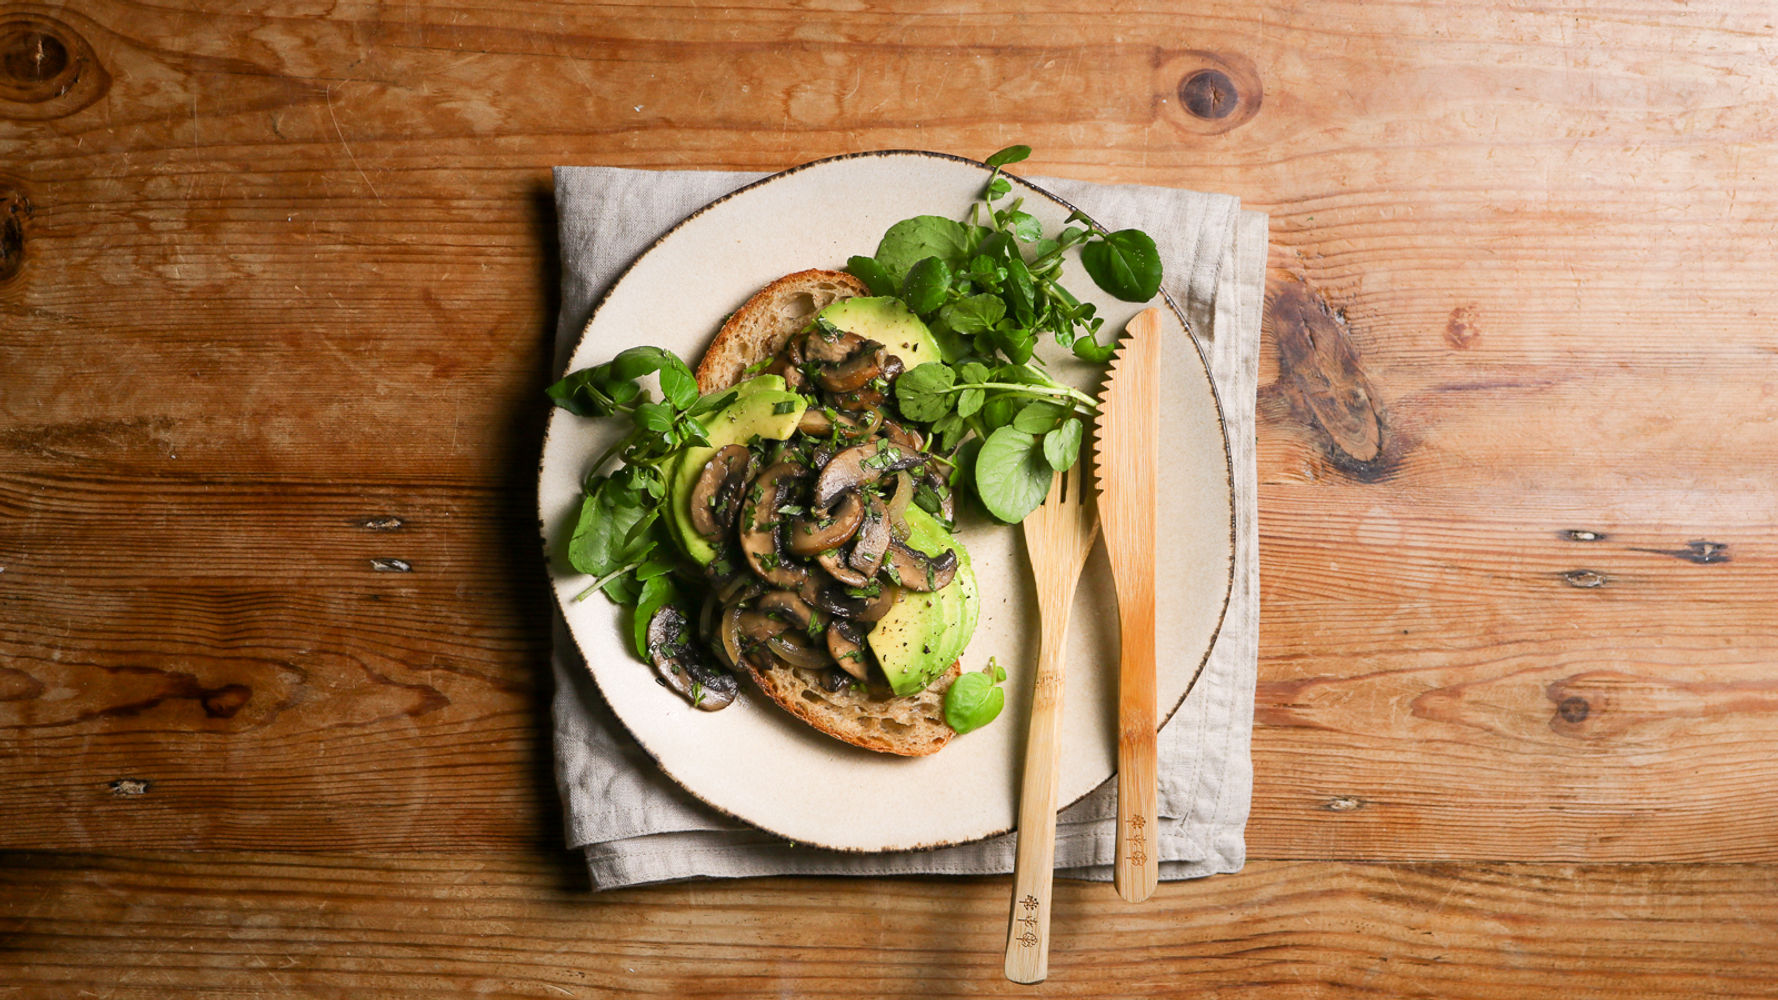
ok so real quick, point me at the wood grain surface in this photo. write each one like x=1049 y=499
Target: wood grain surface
x=276 y=288
x=504 y=926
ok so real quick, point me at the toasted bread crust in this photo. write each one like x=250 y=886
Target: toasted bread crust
x=912 y=726
x=760 y=327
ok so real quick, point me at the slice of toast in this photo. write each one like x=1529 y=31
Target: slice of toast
x=911 y=726
x=761 y=327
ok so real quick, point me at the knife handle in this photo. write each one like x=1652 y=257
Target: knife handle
x=1137 y=870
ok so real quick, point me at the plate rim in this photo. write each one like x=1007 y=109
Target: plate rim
x=570 y=350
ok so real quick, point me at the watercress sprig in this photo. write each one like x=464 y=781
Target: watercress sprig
x=989 y=288
x=619 y=537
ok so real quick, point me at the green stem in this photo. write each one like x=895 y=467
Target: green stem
x=1058 y=392
x=602 y=581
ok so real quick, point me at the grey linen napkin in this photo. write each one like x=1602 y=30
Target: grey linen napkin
x=636 y=826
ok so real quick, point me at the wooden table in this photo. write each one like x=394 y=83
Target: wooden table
x=275 y=293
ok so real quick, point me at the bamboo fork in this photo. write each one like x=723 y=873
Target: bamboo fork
x=1058 y=536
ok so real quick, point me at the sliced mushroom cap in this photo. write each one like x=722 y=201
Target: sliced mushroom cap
x=831 y=345
x=857 y=466
x=846 y=645
x=873 y=391
x=809 y=536
x=834 y=599
x=851 y=375
x=759 y=528
x=793 y=610
x=683 y=665
x=718 y=488
x=825 y=422
x=729 y=632
x=904 y=437
x=787 y=364
x=835 y=563
x=798 y=650
x=872 y=542
x=916 y=570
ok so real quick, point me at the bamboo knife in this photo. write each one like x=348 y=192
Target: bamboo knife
x=1129 y=441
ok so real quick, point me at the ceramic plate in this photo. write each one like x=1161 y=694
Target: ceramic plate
x=752 y=760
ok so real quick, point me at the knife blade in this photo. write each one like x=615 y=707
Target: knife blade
x=1128 y=454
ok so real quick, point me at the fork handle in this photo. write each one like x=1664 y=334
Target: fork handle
x=1028 y=923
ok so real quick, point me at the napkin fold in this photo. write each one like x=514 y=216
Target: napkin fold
x=636 y=826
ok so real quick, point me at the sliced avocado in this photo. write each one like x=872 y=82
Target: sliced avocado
x=888 y=322
x=762 y=409
x=924 y=633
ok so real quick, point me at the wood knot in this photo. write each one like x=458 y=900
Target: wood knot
x=47 y=69
x=1212 y=92
x=1573 y=708
x=1585 y=579
x=1320 y=374
x=1209 y=93
x=1461 y=331
x=1583 y=535
x=391 y=565
x=1343 y=803
x=225 y=701
x=130 y=786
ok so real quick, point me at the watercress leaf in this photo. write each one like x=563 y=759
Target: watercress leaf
x=709 y=404
x=606 y=515
x=1019 y=291
x=999 y=410
x=997 y=188
x=1011 y=154
x=972 y=701
x=969 y=401
x=926 y=285
x=1125 y=264
x=923 y=392
x=654 y=567
x=1089 y=349
x=973 y=371
x=1025 y=226
x=1016 y=342
x=873 y=274
x=657 y=592
x=574 y=394
x=911 y=240
x=1011 y=475
x=678 y=384
x=1039 y=417
x=975 y=314
x=656 y=418
x=947 y=430
x=625 y=393
x=636 y=362
x=997 y=247
x=1061 y=447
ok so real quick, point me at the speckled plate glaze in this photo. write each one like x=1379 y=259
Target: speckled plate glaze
x=751 y=760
